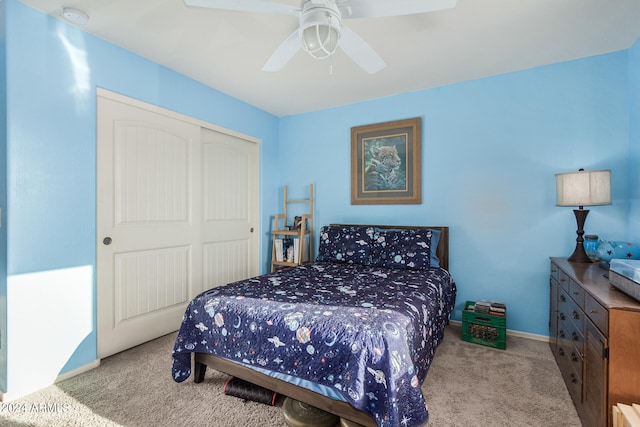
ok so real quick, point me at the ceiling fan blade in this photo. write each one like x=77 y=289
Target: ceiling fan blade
x=360 y=51
x=284 y=53
x=259 y=6
x=352 y=9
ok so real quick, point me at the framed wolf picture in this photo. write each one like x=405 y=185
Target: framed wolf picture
x=386 y=163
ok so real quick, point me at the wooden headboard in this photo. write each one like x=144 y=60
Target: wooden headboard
x=442 y=251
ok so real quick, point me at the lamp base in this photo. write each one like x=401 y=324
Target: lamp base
x=579 y=254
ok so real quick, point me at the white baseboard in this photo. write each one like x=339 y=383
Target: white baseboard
x=8 y=397
x=78 y=371
x=513 y=333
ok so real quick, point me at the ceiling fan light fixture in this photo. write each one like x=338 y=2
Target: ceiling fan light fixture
x=320 y=40
x=320 y=31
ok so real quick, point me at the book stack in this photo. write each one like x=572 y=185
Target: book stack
x=279 y=249
x=494 y=308
x=296 y=250
x=498 y=309
x=482 y=306
x=284 y=250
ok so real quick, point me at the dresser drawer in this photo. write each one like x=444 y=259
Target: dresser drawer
x=564 y=304
x=554 y=271
x=574 y=358
x=571 y=337
x=574 y=385
x=563 y=280
x=576 y=292
x=597 y=313
x=567 y=366
x=569 y=311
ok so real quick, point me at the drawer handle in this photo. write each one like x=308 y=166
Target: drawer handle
x=593 y=311
x=576 y=292
x=562 y=298
x=562 y=316
x=574 y=380
x=574 y=357
x=574 y=336
x=561 y=351
x=561 y=334
x=575 y=315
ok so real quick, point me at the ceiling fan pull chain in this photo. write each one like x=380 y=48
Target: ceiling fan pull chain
x=331 y=65
x=331 y=60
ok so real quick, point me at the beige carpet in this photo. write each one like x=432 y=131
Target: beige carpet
x=468 y=385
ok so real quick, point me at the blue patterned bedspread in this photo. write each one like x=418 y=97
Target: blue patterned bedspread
x=369 y=333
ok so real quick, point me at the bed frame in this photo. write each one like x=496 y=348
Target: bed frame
x=202 y=361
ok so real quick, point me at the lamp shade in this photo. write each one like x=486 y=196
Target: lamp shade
x=583 y=188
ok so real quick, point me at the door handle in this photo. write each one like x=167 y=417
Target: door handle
x=107 y=241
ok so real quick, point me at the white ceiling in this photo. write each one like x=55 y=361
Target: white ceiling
x=226 y=50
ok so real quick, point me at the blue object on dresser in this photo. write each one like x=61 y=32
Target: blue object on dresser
x=618 y=250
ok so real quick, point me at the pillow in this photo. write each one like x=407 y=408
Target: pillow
x=348 y=244
x=434 y=261
x=401 y=248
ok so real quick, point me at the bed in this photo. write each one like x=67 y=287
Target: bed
x=352 y=333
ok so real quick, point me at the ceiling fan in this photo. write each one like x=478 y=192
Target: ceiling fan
x=321 y=31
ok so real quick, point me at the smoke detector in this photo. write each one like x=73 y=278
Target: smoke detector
x=75 y=16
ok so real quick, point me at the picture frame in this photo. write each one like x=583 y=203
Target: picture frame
x=386 y=163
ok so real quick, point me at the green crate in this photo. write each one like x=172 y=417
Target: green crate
x=484 y=328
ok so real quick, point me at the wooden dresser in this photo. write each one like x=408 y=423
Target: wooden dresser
x=594 y=333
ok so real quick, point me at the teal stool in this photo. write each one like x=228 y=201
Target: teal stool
x=298 y=414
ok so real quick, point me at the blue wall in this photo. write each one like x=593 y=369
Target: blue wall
x=60 y=67
x=491 y=148
x=3 y=201
x=53 y=70
x=634 y=142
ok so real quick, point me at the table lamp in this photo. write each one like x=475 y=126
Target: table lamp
x=583 y=188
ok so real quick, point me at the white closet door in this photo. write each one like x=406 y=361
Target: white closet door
x=170 y=224
x=230 y=208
